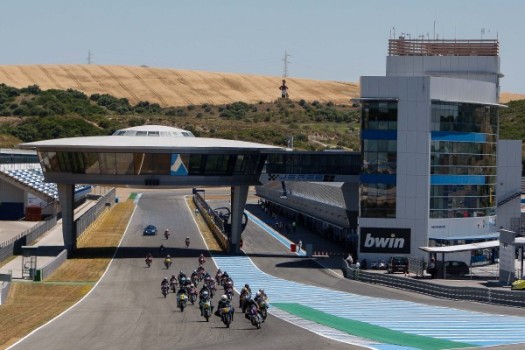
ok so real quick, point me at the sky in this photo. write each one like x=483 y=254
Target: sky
x=337 y=40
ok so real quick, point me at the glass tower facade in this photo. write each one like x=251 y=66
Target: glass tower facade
x=463 y=160
x=379 y=154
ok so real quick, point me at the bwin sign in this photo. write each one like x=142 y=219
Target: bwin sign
x=385 y=240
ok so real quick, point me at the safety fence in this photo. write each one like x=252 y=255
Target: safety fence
x=49 y=268
x=84 y=222
x=210 y=217
x=479 y=294
x=13 y=246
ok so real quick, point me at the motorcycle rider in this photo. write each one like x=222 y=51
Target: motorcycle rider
x=167 y=233
x=167 y=260
x=161 y=249
x=201 y=259
x=194 y=276
x=165 y=283
x=173 y=281
x=149 y=259
x=204 y=296
x=187 y=242
x=245 y=292
x=251 y=303
x=183 y=279
x=224 y=302
x=218 y=276
x=262 y=295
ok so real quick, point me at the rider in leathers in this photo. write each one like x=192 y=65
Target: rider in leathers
x=224 y=302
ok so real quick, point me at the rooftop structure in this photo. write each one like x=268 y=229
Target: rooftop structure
x=422 y=47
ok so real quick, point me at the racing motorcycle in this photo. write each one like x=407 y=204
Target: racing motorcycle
x=226 y=316
x=165 y=290
x=255 y=317
x=207 y=309
x=173 y=286
x=193 y=295
x=229 y=293
x=182 y=299
x=167 y=263
x=263 y=309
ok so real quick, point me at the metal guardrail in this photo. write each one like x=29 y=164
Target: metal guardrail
x=484 y=295
x=90 y=216
x=209 y=217
x=7 y=248
x=50 y=267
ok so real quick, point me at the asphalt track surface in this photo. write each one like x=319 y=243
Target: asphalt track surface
x=126 y=309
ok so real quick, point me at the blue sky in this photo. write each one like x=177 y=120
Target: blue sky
x=326 y=39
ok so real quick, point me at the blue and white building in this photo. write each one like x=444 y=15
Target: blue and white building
x=434 y=169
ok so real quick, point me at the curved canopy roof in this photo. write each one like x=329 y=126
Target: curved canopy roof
x=148 y=138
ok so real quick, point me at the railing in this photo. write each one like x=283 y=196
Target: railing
x=50 y=267
x=209 y=216
x=484 y=295
x=83 y=222
x=422 y=47
x=29 y=235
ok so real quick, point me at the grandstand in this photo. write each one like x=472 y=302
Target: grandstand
x=22 y=186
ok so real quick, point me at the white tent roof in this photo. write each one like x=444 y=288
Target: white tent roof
x=461 y=247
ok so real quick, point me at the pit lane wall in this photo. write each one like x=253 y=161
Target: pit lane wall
x=483 y=295
x=211 y=218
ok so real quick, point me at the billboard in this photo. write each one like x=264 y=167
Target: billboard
x=384 y=240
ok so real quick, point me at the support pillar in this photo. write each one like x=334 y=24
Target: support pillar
x=66 y=195
x=239 y=195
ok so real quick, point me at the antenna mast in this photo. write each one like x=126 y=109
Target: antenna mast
x=285 y=67
x=90 y=56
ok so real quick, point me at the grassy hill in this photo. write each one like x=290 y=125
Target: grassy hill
x=51 y=101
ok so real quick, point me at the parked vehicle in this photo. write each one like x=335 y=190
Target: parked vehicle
x=453 y=268
x=397 y=264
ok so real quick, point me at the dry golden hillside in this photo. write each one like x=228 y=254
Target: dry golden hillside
x=173 y=87
x=176 y=87
x=509 y=96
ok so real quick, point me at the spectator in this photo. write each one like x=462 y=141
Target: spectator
x=431 y=269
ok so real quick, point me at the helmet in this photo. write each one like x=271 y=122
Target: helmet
x=187 y=237
x=246 y=285
x=205 y=292
x=172 y=276
x=167 y=230
x=224 y=297
x=202 y=254
x=168 y=256
x=194 y=271
x=258 y=294
x=165 y=278
x=181 y=273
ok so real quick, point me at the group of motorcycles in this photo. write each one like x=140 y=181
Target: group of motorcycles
x=186 y=290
